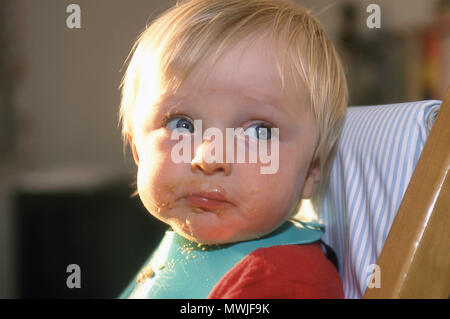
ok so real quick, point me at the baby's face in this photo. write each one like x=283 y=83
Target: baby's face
x=221 y=202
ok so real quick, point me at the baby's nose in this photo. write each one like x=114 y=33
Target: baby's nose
x=207 y=163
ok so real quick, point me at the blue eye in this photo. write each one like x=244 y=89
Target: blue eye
x=180 y=123
x=259 y=131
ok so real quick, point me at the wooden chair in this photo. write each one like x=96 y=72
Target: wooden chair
x=415 y=260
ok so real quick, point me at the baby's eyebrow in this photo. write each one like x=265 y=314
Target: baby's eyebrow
x=166 y=100
x=249 y=96
x=263 y=99
x=166 y=104
x=255 y=100
x=258 y=95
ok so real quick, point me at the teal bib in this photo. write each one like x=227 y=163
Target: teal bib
x=181 y=269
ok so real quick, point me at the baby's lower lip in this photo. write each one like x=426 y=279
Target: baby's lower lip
x=204 y=202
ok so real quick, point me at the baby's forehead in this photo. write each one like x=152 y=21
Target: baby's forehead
x=243 y=65
x=252 y=66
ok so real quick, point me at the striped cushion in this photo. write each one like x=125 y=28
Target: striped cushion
x=377 y=154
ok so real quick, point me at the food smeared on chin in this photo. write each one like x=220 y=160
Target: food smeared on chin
x=197 y=210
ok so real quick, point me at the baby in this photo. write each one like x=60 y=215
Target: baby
x=266 y=69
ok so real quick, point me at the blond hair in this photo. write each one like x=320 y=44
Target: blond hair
x=178 y=40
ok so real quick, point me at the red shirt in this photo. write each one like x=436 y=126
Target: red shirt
x=286 y=272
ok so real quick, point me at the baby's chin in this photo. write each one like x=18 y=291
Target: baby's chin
x=209 y=229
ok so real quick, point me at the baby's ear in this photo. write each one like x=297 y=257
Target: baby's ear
x=133 y=149
x=312 y=180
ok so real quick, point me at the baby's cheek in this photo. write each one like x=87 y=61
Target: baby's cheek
x=155 y=175
x=270 y=202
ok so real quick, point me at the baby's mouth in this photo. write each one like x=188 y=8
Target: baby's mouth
x=207 y=200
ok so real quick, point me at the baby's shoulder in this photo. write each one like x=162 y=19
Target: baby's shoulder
x=285 y=257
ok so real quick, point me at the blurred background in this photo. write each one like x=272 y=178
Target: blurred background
x=65 y=181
